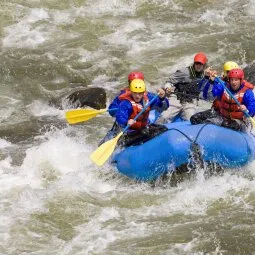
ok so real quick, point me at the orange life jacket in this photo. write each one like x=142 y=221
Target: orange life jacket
x=248 y=84
x=142 y=121
x=228 y=106
x=216 y=102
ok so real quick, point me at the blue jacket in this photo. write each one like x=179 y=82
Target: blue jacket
x=205 y=88
x=125 y=108
x=115 y=104
x=248 y=98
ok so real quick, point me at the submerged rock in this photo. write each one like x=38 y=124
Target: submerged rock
x=92 y=97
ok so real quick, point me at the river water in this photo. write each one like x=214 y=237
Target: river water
x=53 y=199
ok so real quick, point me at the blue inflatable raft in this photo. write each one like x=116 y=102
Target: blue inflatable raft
x=172 y=149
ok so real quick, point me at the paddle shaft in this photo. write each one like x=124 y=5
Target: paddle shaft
x=104 y=151
x=113 y=109
x=141 y=112
x=229 y=92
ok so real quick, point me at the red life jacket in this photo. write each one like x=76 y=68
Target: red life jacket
x=142 y=121
x=248 y=84
x=228 y=106
x=216 y=102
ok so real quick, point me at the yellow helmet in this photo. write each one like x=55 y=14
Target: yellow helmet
x=229 y=65
x=137 y=85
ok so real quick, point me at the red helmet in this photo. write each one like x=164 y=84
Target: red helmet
x=236 y=73
x=135 y=75
x=200 y=57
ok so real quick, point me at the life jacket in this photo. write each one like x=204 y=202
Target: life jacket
x=216 y=102
x=248 y=84
x=193 y=74
x=228 y=106
x=142 y=121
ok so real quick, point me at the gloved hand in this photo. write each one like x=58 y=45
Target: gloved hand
x=161 y=93
x=210 y=73
x=169 y=89
x=131 y=122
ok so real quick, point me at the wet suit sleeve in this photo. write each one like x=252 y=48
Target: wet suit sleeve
x=181 y=75
x=115 y=104
x=159 y=104
x=124 y=111
x=249 y=102
x=205 y=88
x=218 y=89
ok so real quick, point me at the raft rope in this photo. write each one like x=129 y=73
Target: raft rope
x=195 y=151
x=192 y=141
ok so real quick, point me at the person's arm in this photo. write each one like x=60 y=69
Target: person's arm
x=205 y=88
x=179 y=76
x=123 y=113
x=249 y=102
x=161 y=103
x=115 y=104
x=218 y=88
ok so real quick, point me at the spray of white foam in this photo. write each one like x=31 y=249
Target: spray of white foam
x=59 y=164
x=98 y=234
x=4 y=143
x=24 y=34
x=214 y=17
x=131 y=35
x=195 y=197
x=40 y=108
x=63 y=17
x=121 y=36
x=189 y=198
x=249 y=8
x=8 y=107
x=107 y=85
x=37 y=27
x=86 y=55
x=182 y=62
x=101 y=7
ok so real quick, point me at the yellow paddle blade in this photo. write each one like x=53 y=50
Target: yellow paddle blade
x=104 y=151
x=80 y=115
x=252 y=121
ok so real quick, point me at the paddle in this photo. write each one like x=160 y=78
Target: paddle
x=80 y=115
x=229 y=92
x=104 y=151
